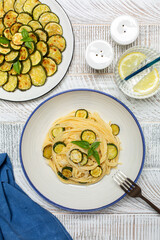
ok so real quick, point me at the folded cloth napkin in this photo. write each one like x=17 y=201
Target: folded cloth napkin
x=20 y=217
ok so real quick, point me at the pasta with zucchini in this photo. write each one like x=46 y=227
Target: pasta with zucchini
x=81 y=148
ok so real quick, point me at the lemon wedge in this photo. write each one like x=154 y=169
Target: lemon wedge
x=129 y=62
x=148 y=83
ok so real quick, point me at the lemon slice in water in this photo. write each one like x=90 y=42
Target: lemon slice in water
x=148 y=83
x=129 y=62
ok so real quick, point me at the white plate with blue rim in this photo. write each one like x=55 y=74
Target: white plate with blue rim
x=76 y=197
x=35 y=92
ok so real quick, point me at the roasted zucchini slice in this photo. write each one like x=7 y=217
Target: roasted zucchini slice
x=1 y=59
x=35 y=25
x=82 y=113
x=53 y=28
x=17 y=39
x=97 y=172
x=1 y=9
x=88 y=135
x=15 y=47
x=48 y=17
x=112 y=151
x=6 y=67
x=47 y=151
x=15 y=27
x=67 y=172
x=12 y=57
x=29 y=5
x=4 y=51
x=23 y=54
x=39 y=9
x=26 y=66
x=11 y=85
x=57 y=41
x=36 y=58
x=57 y=131
x=9 y=18
x=58 y=147
x=34 y=36
x=7 y=34
x=55 y=54
x=115 y=129
x=2 y=27
x=38 y=75
x=61 y=175
x=43 y=48
x=42 y=34
x=84 y=159
x=6 y=45
x=3 y=77
x=18 y=5
x=24 y=82
x=13 y=72
x=24 y=18
x=50 y=66
x=33 y=49
x=76 y=156
x=8 y=5
x=27 y=28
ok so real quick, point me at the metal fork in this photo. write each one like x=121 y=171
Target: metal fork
x=131 y=188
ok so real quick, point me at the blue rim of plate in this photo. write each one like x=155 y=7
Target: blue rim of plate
x=76 y=90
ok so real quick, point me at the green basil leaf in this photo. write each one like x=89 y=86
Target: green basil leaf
x=24 y=33
x=28 y=39
x=95 y=145
x=29 y=45
x=4 y=40
x=82 y=144
x=96 y=156
x=16 y=67
x=90 y=152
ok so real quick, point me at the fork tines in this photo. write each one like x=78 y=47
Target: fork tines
x=123 y=181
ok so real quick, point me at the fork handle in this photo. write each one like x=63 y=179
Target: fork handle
x=150 y=203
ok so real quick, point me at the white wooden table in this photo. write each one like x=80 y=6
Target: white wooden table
x=129 y=218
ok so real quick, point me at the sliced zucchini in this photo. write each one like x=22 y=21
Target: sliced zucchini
x=1 y=59
x=96 y=172
x=36 y=58
x=61 y=175
x=29 y=5
x=42 y=34
x=67 y=172
x=15 y=47
x=84 y=159
x=3 y=77
x=57 y=131
x=50 y=66
x=58 y=147
x=24 y=82
x=12 y=57
x=15 y=27
x=23 y=54
x=47 y=151
x=27 y=28
x=11 y=85
x=82 y=113
x=35 y=25
x=7 y=33
x=57 y=41
x=76 y=156
x=55 y=54
x=8 y=5
x=34 y=36
x=48 y=17
x=9 y=18
x=39 y=9
x=6 y=67
x=38 y=75
x=112 y=151
x=2 y=27
x=17 y=39
x=43 y=48
x=1 y=9
x=33 y=49
x=26 y=66
x=53 y=28
x=115 y=129
x=88 y=135
x=18 y=5
x=13 y=72
x=24 y=18
x=6 y=45
x=4 y=51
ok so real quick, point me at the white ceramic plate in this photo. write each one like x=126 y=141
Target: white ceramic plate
x=51 y=82
x=44 y=180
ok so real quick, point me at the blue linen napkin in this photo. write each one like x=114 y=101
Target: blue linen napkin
x=20 y=217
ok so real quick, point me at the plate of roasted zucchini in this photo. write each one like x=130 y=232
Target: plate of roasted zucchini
x=36 y=48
